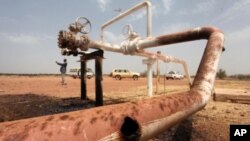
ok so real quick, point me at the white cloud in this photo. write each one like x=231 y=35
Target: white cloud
x=204 y=6
x=23 y=38
x=235 y=58
x=137 y=16
x=167 y=5
x=142 y=13
x=239 y=8
x=111 y=37
x=201 y=7
x=175 y=27
x=8 y=20
x=103 y=4
x=240 y=37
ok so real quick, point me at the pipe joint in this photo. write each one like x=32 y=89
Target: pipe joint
x=72 y=41
x=130 y=47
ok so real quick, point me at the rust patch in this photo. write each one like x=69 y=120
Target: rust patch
x=18 y=136
x=110 y=113
x=44 y=125
x=71 y=118
x=162 y=107
x=50 y=118
x=111 y=117
x=98 y=111
x=114 y=121
x=64 y=117
x=1 y=132
x=176 y=103
x=135 y=110
x=93 y=120
x=77 y=128
x=134 y=102
x=105 y=118
x=11 y=124
x=49 y=134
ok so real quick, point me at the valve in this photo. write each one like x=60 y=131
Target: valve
x=129 y=45
x=82 y=25
x=72 y=41
x=127 y=30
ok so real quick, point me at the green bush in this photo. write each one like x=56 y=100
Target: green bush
x=221 y=74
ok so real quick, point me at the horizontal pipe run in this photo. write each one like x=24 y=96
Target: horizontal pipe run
x=98 y=123
x=105 y=46
x=184 y=36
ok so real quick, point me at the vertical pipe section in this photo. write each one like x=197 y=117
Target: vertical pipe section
x=149 y=79
x=206 y=74
x=149 y=63
x=83 y=79
x=98 y=80
x=157 y=73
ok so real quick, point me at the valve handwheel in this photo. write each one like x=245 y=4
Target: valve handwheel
x=127 y=30
x=83 y=24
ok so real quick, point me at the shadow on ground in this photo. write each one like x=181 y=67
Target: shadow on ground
x=14 y=107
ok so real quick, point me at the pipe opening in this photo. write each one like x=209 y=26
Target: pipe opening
x=130 y=130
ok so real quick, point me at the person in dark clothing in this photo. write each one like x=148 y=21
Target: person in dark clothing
x=63 y=70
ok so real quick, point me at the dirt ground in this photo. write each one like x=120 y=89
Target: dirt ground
x=31 y=96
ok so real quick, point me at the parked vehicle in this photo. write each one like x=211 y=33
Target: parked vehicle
x=118 y=74
x=174 y=75
x=89 y=73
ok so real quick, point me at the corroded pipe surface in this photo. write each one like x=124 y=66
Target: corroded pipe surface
x=97 y=123
x=132 y=121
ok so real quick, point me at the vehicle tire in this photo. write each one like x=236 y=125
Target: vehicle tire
x=167 y=78
x=118 y=77
x=135 y=77
x=89 y=76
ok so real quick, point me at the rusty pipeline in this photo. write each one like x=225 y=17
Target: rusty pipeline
x=132 y=121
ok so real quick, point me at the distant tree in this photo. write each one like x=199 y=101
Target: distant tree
x=145 y=73
x=241 y=76
x=221 y=74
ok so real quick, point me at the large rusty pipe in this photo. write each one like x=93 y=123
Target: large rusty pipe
x=99 y=123
x=184 y=36
x=140 y=120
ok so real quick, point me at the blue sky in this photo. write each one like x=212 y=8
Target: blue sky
x=29 y=29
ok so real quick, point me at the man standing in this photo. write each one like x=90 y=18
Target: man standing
x=63 y=70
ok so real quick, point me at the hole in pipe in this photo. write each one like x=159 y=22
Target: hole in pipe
x=130 y=130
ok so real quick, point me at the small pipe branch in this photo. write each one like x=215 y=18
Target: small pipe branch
x=146 y=4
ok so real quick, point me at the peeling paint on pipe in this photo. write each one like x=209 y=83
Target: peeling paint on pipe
x=147 y=118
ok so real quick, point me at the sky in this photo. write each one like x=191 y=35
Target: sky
x=29 y=30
